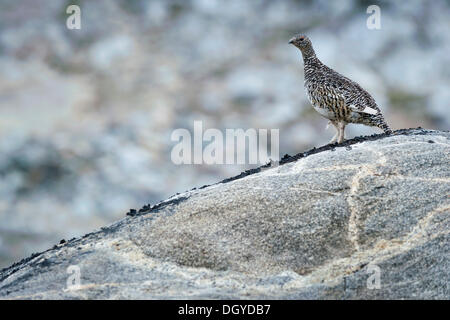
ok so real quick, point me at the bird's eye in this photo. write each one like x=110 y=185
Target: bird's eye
x=301 y=39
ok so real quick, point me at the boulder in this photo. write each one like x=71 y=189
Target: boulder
x=365 y=219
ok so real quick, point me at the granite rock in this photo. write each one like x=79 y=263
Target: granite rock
x=366 y=219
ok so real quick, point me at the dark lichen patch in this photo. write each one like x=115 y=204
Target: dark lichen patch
x=246 y=173
x=157 y=207
x=132 y=212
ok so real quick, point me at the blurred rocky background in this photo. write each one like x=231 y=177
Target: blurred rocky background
x=86 y=115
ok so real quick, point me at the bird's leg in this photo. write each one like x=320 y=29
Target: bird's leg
x=341 y=134
x=335 y=137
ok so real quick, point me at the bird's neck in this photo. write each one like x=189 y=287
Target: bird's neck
x=311 y=60
x=308 y=54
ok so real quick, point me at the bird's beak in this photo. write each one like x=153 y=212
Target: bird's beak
x=292 y=40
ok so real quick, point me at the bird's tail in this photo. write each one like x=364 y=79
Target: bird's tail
x=383 y=125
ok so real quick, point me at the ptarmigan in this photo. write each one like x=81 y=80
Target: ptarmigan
x=336 y=97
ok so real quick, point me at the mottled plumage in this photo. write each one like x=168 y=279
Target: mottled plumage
x=336 y=97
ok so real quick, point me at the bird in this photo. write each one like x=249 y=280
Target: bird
x=336 y=97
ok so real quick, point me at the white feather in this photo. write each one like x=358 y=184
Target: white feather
x=367 y=110
x=370 y=110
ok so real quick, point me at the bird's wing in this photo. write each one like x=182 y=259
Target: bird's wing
x=355 y=98
x=321 y=92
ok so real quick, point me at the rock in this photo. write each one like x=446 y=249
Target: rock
x=323 y=225
x=106 y=98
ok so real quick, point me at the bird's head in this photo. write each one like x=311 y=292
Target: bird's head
x=301 y=41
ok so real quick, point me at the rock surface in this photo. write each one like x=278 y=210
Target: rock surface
x=321 y=226
x=85 y=112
